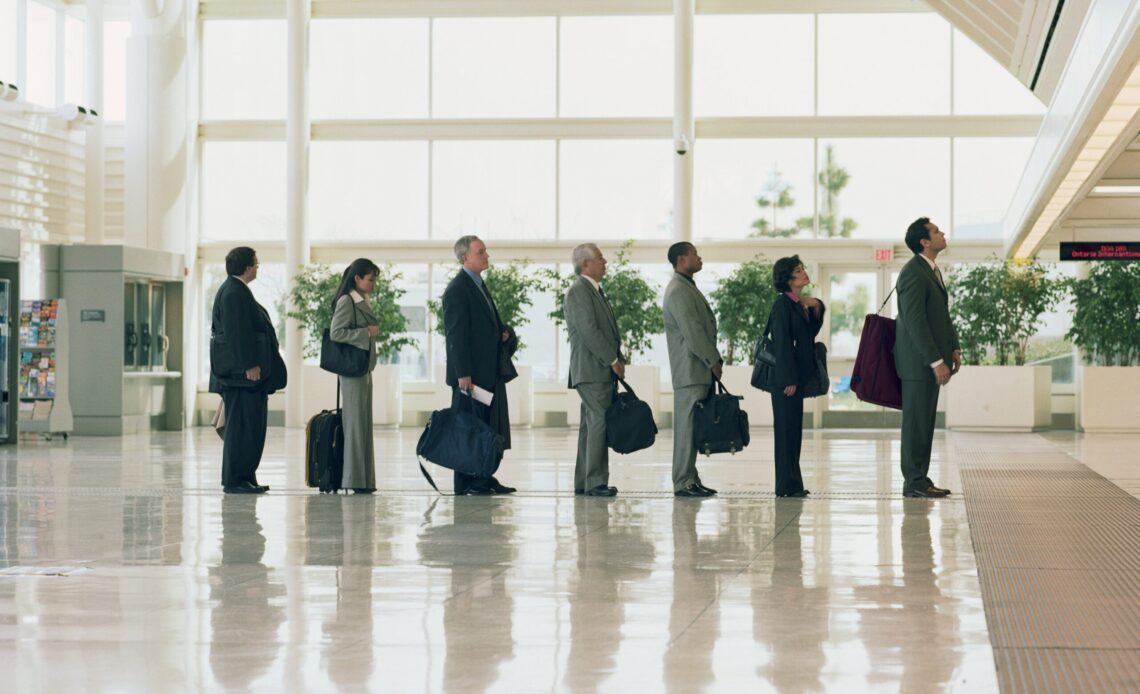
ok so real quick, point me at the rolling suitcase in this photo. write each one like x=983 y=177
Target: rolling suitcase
x=324 y=449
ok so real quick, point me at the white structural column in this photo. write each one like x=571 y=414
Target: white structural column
x=683 y=131
x=158 y=130
x=297 y=135
x=93 y=99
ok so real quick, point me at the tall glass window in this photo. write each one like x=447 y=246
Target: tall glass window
x=8 y=41
x=74 y=61
x=874 y=188
x=753 y=188
x=982 y=86
x=243 y=76
x=884 y=64
x=243 y=191
x=369 y=68
x=115 y=70
x=495 y=189
x=754 y=65
x=986 y=173
x=41 y=55
x=368 y=190
x=606 y=74
x=493 y=67
x=616 y=189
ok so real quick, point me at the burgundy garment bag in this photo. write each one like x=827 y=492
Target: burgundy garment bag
x=874 y=378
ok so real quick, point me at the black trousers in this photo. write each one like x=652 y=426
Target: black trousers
x=496 y=416
x=788 y=429
x=247 y=412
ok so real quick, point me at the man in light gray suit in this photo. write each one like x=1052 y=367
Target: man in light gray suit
x=690 y=331
x=595 y=358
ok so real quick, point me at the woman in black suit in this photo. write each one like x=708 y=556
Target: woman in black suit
x=795 y=321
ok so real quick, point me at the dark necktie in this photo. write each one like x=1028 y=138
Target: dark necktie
x=487 y=296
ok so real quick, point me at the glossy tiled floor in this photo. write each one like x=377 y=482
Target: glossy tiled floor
x=168 y=585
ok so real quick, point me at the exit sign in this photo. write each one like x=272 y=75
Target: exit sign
x=884 y=255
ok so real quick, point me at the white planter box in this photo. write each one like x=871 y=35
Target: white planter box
x=758 y=404
x=387 y=396
x=1108 y=399
x=520 y=397
x=1000 y=398
x=645 y=381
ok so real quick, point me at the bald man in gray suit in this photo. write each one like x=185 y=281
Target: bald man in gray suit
x=690 y=332
x=595 y=360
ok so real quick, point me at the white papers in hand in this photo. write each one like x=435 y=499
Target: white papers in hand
x=481 y=395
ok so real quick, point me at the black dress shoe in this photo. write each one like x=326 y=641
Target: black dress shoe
x=943 y=492
x=927 y=493
x=480 y=490
x=362 y=491
x=602 y=490
x=500 y=488
x=579 y=492
x=795 y=495
x=245 y=488
x=693 y=491
x=710 y=490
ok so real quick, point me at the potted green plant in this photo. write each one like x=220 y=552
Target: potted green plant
x=512 y=285
x=312 y=293
x=638 y=314
x=742 y=303
x=1106 y=328
x=997 y=307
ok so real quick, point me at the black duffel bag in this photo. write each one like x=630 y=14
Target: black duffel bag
x=819 y=383
x=719 y=425
x=629 y=422
x=457 y=439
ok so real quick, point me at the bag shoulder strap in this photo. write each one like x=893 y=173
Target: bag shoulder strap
x=892 y=293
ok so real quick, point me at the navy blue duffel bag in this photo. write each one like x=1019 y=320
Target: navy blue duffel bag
x=457 y=439
x=629 y=422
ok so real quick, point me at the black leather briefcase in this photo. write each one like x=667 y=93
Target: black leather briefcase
x=629 y=422
x=719 y=425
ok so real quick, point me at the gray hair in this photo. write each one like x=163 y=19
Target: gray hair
x=582 y=253
x=463 y=245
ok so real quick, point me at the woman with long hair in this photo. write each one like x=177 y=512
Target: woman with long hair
x=795 y=321
x=354 y=323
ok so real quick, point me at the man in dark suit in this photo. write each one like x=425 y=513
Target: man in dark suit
x=245 y=367
x=595 y=360
x=479 y=349
x=927 y=353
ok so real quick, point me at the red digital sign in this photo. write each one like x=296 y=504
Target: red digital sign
x=1095 y=250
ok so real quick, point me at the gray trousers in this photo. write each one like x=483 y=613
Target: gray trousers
x=685 y=401
x=356 y=418
x=592 y=467
x=919 y=413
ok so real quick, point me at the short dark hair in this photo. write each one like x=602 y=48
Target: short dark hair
x=916 y=232
x=238 y=259
x=782 y=272
x=677 y=250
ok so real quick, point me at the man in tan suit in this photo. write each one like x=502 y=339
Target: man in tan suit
x=690 y=331
x=595 y=359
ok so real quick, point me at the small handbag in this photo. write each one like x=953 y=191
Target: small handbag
x=820 y=383
x=764 y=362
x=342 y=358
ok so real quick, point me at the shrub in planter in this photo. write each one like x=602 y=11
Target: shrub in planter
x=313 y=290
x=742 y=302
x=1106 y=314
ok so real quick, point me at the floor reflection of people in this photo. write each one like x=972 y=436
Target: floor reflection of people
x=789 y=616
x=908 y=625
x=347 y=655
x=694 y=616
x=477 y=615
x=243 y=618
x=610 y=552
